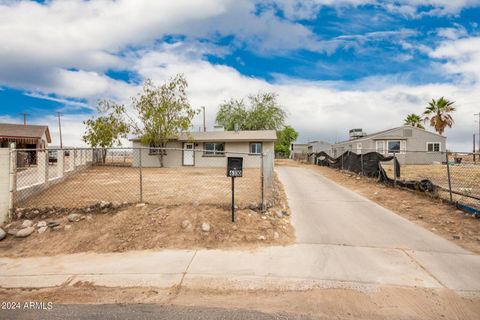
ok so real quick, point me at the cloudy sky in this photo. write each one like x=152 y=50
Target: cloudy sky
x=335 y=64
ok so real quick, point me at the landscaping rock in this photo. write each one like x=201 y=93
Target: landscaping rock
x=27 y=223
x=279 y=214
x=3 y=234
x=104 y=204
x=140 y=205
x=276 y=236
x=42 y=229
x=57 y=228
x=68 y=227
x=253 y=206
x=205 y=227
x=186 y=225
x=195 y=203
x=457 y=236
x=41 y=224
x=73 y=217
x=53 y=224
x=116 y=205
x=25 y=232
x=285 y=212
x=261 y=238
x=420 y=217
x=12 y=232
x=235 y=228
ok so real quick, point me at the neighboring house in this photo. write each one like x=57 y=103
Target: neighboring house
x=318 y=146
x=25 y=137
x=214 y=145
x=298 y=151
x=411 y=145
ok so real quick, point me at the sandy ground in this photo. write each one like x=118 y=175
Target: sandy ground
x=381 y=303
x=153 y=227
x=166 y=186
x=431 y=213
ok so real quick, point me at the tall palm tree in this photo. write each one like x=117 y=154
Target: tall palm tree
x=438 y=113
x=413 y=120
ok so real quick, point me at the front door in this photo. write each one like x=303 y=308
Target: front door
x=188 y=154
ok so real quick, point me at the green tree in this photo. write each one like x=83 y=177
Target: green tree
x=413 y=120
x=285 y=137
x=163 y=111
x=438 y=113
x=232 y=112
x=108 y=129
x=262 y=113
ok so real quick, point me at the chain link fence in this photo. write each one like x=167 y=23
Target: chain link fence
x=69 y=178
x=456 y=175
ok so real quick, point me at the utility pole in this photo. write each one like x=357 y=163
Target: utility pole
x=204 y=126
x=24 y=117
x=59 y=115
x=478 y=114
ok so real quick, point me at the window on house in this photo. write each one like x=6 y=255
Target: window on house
x=156 y=149
x=394 y=146
x=433 y=147
x=255 y=148
x=214 y=149
x=380 y=147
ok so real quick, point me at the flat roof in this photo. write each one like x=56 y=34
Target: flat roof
x=226 y=136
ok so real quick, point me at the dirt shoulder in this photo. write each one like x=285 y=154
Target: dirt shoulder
x=381 y=303
x=151 y=226
x=431 y=213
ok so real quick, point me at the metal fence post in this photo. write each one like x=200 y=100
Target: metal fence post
x=449 y=178
x=262 y=183
x=141 y=174
x=13 y=179
x=361 y=160
x=342 y=161
x=394 y=169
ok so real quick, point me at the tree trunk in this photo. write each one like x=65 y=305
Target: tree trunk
x=162 y=146
x=104 y=155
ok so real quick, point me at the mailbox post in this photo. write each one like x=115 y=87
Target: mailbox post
x=234 y=170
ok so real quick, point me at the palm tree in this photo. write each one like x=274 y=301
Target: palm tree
x=413 y=120
x=438 y=113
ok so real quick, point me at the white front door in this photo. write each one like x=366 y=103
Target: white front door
x=188 y=154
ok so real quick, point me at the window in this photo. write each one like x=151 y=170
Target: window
x=214 y=149
x=156 y=149
x=255 y=148
x=381 y=147
x=433 y=146
x=394 y=146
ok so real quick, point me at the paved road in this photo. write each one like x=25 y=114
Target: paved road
x=141 y=312
x=344 y=240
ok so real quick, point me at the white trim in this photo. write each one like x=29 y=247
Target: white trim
x=433 y=142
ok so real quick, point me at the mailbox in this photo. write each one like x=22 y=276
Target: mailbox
x=234 y=167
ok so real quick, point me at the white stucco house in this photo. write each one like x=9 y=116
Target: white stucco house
x=208 y=149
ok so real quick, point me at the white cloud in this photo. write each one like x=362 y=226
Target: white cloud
x=63 y=49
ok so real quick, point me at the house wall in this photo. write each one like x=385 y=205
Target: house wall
x=174 y=157
x=415 y=145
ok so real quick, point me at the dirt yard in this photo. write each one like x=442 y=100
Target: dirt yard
x=153 y=227
x=348 y=304
x=166 y=186
x=431 y=213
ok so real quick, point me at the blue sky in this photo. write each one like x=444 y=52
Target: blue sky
x=334 y=64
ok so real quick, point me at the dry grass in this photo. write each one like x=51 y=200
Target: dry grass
x=465 y=178
x=166 y=186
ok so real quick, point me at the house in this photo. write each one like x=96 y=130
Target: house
x=214 y=147
x=318 y=146
x=25 y=137
x=298 y=151
x=411 y=145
